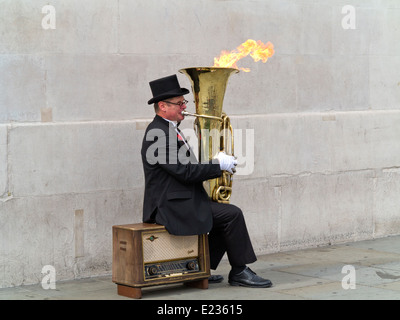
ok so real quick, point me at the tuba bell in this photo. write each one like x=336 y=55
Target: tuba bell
x=212 y=125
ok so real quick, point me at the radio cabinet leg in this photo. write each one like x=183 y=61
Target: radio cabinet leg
x=130 y=292
x=199 y=284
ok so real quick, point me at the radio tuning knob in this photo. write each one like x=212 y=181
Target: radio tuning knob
x=191 y=265
x=152 y=270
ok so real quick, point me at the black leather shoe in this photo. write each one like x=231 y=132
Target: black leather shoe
x=248 y=278
x=215 y=279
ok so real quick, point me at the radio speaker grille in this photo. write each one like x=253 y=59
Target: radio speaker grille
x=162 y=246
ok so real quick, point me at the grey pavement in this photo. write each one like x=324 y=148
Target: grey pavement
x=310 y=274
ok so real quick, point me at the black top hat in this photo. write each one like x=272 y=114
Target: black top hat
x=165 y=88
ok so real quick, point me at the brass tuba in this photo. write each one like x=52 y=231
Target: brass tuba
x=212 y=125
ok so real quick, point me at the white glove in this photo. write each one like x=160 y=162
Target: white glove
x=227 y=162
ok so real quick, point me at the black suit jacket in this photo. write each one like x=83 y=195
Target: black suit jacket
x=174 y=195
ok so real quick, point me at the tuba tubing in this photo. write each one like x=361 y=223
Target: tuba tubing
x=185 y=113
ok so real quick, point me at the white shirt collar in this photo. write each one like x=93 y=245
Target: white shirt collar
x=173 y=122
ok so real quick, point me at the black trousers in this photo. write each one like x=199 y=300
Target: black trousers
x=229 y=234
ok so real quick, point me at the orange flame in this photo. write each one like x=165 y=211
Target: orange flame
x=256 y=49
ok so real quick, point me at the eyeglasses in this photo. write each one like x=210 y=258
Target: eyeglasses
x=180 y=103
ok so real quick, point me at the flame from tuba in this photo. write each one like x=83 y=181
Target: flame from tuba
x=212 y=125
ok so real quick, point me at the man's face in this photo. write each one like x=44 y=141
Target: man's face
x=171 y=110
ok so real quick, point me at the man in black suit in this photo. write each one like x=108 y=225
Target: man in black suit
x=174 y=195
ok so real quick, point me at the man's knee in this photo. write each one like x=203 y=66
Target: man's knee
x=236 y=213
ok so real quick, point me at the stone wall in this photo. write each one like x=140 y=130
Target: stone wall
x=324 y=111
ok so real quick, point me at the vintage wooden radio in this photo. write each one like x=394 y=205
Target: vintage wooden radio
x=147 y=255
